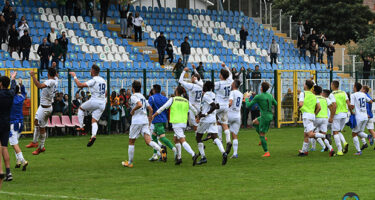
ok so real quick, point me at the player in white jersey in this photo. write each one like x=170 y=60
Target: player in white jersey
x=370 y=122
x=195 y=91
x=234 y=114
x=140 y=124
x=44 y=111
x=96 y=104
x=207 y=122
x=358 y=102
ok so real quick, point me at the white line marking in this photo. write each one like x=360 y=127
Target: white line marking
x=47 y=196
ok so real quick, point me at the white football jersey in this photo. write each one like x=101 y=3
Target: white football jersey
x=98 y=87
x=207 y=100
x=359 y=100
x=235 y=110
x=48 y=93
x=140 y=115
x=222 y=89
x=194 y=91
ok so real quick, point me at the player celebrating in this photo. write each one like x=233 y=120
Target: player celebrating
x=370 y=122
x=358 y=102
x=140 y=123
x=96 y=104
x=207 y=122
x=195 y=94
x=234 y=114
x=179 y=108
x=45 y=108
x=340 y=102
x=262 y=123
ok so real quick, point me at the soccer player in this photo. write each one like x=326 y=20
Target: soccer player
x=340 y=102
x=16 y=122
x=140 y=123
x=234 y=114
x=194 y=90
x=96 y=104
x=262 y=123
x=156 y=101
x=44 y=111
x=370 y=122
x=179 y=108
x=321 y=120
x=358 y=102
x=207 y=123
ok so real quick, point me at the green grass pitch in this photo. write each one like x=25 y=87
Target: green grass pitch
x=70 y=170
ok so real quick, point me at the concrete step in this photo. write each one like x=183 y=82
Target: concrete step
x=114 y=27
x=137 y=44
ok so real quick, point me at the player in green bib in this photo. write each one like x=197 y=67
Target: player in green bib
x=179 y=108
x=262 y=123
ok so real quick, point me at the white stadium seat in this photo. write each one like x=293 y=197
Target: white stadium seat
x=201 y=18
x=121 y=49
x=110 y=57
x=43 y=18
x=99 y=49
x=51 y=18
x=117 y=57
x=93 y=49
x=192 y=51
x=58 y=18
x=80 y=19
x=85 y=48
x=205 y=51
x=73 y=19
x=190 y=17
x=48 y=11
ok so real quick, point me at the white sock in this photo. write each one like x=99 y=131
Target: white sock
x=188 y=148
x=94 y=129
x=220 y=132
x=178 y=147
x=321 y=143
x=338 y=142
x=154 y=145
x=342 y=138
x=356 y=143
x=227 y=135
x=174 y=150
x=131 y=153
x=158 y=153
x=201 y=149
x=20 y=157
x=312 y=141
x=363 y=140
x=328 y=145
x=320 y=135
x=81 y=116
x=42 y=140
x=305 y=147
x=17 y=159
x=36 y=134
x=362 y=135
x=219 y=145
x=235 y=146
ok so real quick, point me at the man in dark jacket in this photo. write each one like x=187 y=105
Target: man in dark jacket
x=123 y=19
x=25 y=45
x=301 y=44
x=243 y=36
x=185 y=51
x=170 y=51
x=103 y=11
x=11 y=17
x=161 y=43
x=366 y=66
x=63 y=41
x=256 y=76
x=44 y=52
x=56 y=52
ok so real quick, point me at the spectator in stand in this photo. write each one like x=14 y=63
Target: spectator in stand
x=22 y=26
x=61 y=6
x=130 y=25
x=63 y=41
x=89 y=5
x=302 y=43
x=300 y=31
x=243 y=36
x=313 y=51
x=137 y=22
x=366 y=66
x=170 y=51
x=160 y=44
x=122 y=94
x=248 y=77
x=3 y=30
x=256 y=76
x=115 y=115
x=103 y=11
x=235 y=74
x=199 y=70
x=10 y=17
x=76 y=103
x=123 y=18
x=44 y=52
x=274 y=51
x=58 y=105
x=84 y=98
x=312 y=37
x=185 y=51
x=287 y=104
x=321 y=45
x=13 y=39
x=25 y=45
x=6 y=8
x=56 y=52
x=122 y=125
x=66 y=102
x=307 y=27
x=78 y=4
x=52 y=36
x=177 y=69
x=241 y=78
x=69 y=7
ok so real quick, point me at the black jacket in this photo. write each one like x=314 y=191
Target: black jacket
x=44 y=50
x=185 y=48
x=130 y=21
x=6 y=101
x=330 y=51
x=169 y=49
x=302 y=44
x=256 y=75
x=123 y=14
x=160 y=43
x=243 y=34
x=11 y=18
x=25 y=42
x=313 y=37
x=64 y=44
x=13 y=38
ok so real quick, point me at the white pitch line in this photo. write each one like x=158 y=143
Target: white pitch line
x=47 y=196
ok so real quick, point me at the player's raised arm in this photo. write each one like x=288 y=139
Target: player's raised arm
x=181 y=80
x=78 y=83
x=230 y=73
x=36 y=82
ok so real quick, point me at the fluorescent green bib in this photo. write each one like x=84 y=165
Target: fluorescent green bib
x=179 y=110
x=323 y=113
x=340 y=97
x=309 y=103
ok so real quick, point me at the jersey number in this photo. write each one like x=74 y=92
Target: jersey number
x=198 y=95
x=143 y=102
x=238 y=102
x=102 y=88
x=362 y=103
x=227 y=91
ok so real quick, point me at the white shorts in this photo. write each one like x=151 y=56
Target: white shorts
x=152 y=128
x=308 y=125
x=139 y=129
x=370 y=124
x=321 y=125
x=222 y=115
x=207 y=128
x=192 y=121
x=42 y=115
x=361 y=125
x=179 y=132
x=234 y=125
x=95 y=107
x=13 y=140
x=338 y=124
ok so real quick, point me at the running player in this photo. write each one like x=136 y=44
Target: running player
x=358 y=102
x=340 y=102
x=194 y=90
x=96 y=104
x=234 y=114
x=262 y=123
x=45 y=108
x=179 y=108
x=207 y=122
x=370 y=123
x=140 y=123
